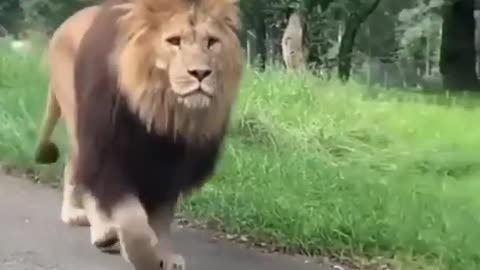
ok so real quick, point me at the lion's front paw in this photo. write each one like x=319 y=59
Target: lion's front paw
x=103 y=236
x=173 y=262
x=74 y=216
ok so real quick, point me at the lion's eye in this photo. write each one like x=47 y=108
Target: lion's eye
x=212 y=41
x=175 y=41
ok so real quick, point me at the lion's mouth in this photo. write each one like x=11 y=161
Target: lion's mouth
x=196 y=99
x=196 y=91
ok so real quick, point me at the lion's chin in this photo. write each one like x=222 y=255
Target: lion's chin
x=195 y=101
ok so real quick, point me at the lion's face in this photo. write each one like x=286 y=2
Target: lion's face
x=180 y=63
x=189 y=52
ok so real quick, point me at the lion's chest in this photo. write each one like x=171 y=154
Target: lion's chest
x=157 y=166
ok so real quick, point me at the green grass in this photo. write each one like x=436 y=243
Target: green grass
x=321 y=167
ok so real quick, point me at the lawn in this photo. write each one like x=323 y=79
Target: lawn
x=320 y=167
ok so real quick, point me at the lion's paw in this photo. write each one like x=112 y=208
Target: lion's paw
x=173 y=262
x=110 y=248
x=74 y=216
x=103 y=236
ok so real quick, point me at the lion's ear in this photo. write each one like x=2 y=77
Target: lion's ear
x=230 y=14
x=233 y=23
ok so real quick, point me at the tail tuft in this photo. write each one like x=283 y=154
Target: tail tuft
x=47 y=153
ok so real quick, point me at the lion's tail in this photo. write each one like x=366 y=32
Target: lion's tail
x=47 y=151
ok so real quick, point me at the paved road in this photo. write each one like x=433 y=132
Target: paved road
x=32 y=237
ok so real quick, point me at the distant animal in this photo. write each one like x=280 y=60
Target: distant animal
x=293 y=49
x=146 y=89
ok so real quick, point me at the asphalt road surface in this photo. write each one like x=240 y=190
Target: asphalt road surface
x=32 y=237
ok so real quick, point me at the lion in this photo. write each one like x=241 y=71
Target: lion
x=146 y=88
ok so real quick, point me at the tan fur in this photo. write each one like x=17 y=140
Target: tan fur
x=144 y=79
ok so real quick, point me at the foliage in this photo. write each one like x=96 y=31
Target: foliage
x=48 y=14
x=417 y=26
x=10 y=15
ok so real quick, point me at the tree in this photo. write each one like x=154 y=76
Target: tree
x=378 y=36
x=354 y=20
x=316 y=45
x=457 y=59
x=255 y=19
x=418 y=34
x=11 y=15
x=261 y=35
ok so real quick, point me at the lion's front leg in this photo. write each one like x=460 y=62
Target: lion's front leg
x=137 y=239
x=103 y=234
x=160 y=221
x=72 y=212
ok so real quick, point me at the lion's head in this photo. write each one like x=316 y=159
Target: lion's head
x=179 y=63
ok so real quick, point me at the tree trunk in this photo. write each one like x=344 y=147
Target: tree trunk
x=261 y=38
x=457 y=55
x=314 y=49
x=352 y=26
x=476 y=14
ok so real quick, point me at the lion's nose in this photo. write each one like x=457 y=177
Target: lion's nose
x=200 y=74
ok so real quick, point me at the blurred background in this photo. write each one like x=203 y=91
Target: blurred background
x=403 y=44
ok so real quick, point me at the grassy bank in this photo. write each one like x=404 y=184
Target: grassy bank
x=321 y=167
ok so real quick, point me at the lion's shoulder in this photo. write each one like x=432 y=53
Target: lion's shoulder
x=92 y=62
